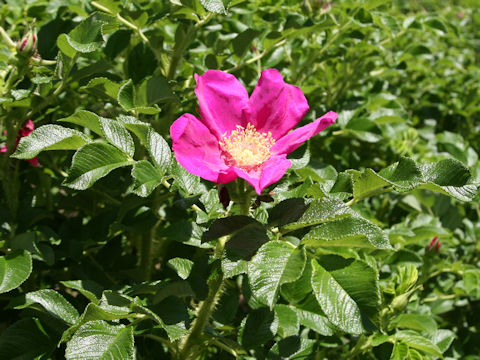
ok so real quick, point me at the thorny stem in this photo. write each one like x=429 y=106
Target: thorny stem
x=122 y=20
x=256 y=58
x=146 y=256
x=192 y=344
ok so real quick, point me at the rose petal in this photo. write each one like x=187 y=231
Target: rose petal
x=197 y=150
x=272 y=170
x=297 y=137
x=222 y=99
x=274 y=105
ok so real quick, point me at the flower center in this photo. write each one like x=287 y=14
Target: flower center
x=246 y=148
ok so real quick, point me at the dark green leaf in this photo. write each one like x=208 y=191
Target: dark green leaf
x=92 y=162
x=15 y=268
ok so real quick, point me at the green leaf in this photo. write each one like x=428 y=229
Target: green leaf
x=414 y=322
x=414 y=340
x=215 y=6
x=99 y=340
x=320 y=211
x=357 y=278
x=181 y=266
x=92 y=162
x=159 y=150
x=188 y=183
x=86 y=37
x=443 y=338
x=246 y=235
x=292 y=348
x=127 y=98
x=15 y=268
x=102 y=87
x=340 y=309
x=311 y=316
x=276 y=263
x=88 y=288
x=53 y=303
x=26 y=339
x=243 y=40
x=347 y=232
x=126 y=95
x=449 y=177
x=154 y=90
x=146 y=178
x=259 y=327
x=288 y=323
x=400 y=351
x=49 y=137
x=113 y=131
x=297 y=290
x=86 y=119
x=155 y=144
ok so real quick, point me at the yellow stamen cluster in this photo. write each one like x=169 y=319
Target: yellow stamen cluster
x=246 y=148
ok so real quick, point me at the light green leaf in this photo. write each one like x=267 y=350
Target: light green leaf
x=98 y=340
x=86 y=119
x=340 y=309
x=320 y=211
x=357 y=278
x=215 y=6
x=113 y=131
x=276 y=263
x=310 y=315
x=449 y=177
x=53 y=303
x=188 y=183
x=49 y=137
x=117 y=135
x=155 y=144
x=414 y=340
x=297 y=290
x=347 y=232
x=400 y=351
x=159 y=150
x=443 y=338
x=15 y=268
x=181 y=266
x=415 y=322
x=288 y=323
x=92 y=162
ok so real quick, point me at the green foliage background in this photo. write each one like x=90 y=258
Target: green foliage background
x=113 y=258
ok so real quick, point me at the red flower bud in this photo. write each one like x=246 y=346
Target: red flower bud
x=28 y=45
x=434 y=243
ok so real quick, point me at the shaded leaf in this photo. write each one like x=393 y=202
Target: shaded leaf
x=15 y=268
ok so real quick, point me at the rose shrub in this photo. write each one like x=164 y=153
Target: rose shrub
x=192 y=202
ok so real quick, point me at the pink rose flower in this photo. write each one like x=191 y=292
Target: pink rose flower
x=242 y=136
x=25 y=130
